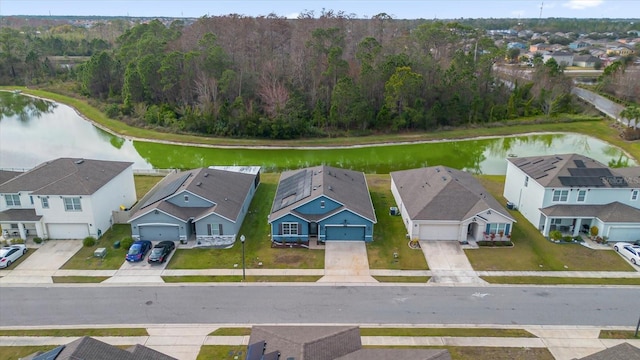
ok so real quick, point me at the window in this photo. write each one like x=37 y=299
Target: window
x=560 y=195
x=214 y=229
x=45 y=202
x=634 y=195
x=31 y=199
x=322 y=204
x=12 y=199
x=582 y=195
x=186 y=198
x=72 y=204
x=556 y=221
x=526 y=181
x=497 y=228
x=289 y=228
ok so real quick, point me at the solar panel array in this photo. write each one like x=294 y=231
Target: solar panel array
x=51 y=354
x=579 y=163
x=538 y=168
x=166 y=191
x=589 y=172
x=293 y=189
x=587 y=181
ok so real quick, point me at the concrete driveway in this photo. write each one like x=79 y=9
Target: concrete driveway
x=346 y=261
x=40 y=265
x=448 y=263
x=140 y=272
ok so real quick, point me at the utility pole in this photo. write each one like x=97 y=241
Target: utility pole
x=541 y=6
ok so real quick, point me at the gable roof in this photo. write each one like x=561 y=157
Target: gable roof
x=612 y=212
x=66 y=176
x=226 y=189
x=90 y=348
x=443 y=193
x=572 y=170
x=623 y=351
x=347 y=187
x=6 y=175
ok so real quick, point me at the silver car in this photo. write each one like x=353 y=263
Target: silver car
x=9 y=254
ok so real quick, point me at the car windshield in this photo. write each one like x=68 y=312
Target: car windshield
x=134 y=250
x=156 y=251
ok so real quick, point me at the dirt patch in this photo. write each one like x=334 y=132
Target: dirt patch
x=289 y=259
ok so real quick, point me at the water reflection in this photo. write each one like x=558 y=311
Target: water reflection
x=34 y=131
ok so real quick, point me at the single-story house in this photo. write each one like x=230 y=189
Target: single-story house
x=441 y=203
x=205 y=205
x=322 y=203
x=90 y=348
x=585 y=60
x=66 y=198
x=573 y=193
x=563 y=58
x=324 y=343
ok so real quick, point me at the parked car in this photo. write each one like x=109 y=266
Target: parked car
x=630 y=251
x=138 y=250
x=161 y=251
x=9 y=254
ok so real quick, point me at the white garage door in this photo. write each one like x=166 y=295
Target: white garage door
x=439 y=232
x=68 y=231
x=624 y=234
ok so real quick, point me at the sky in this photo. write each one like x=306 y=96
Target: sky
x=398 y=9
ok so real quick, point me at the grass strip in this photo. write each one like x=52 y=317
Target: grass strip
x=452 y=332
x=483 y=353
x=233 y=331
x=77 y=332
x=208 y=352
x=78 y=279
x=403 y=279
x=19 y=352
x=215 y=278
x=552 y=280
x=618 y=334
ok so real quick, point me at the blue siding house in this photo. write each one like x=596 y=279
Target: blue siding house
x=322 y=203
x=203 y=206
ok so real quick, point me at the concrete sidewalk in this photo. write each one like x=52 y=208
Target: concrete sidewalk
x=184 y=341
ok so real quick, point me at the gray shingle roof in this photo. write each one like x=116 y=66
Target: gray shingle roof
x=347 y=187
x=396 y=354
x=90 y=348
x=443 y=193
x=623 y=351
x=227 y=189
x=552 y=170
x=6 y=175
x=612 y=212
x=19 y=215
x=308 y=342
x=66 y=176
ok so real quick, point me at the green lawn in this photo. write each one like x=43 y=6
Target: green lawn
x=18 y=352
x=403 y=279
x=78 y=279
x=77 y=332
x=242 y=331
x=213 y=278
x=552 y=280
x=257 y=246
x=452 y=332
x=84 y=259
x=618 y=334
x=220 y=352
x=389 y=234
x=144 y=183
x=532 y=252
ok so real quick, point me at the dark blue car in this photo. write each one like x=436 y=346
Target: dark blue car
x=138 y=250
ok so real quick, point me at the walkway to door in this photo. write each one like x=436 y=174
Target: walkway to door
x=346 y=262
x=448 y=263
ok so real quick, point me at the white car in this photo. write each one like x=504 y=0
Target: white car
x=630 y=251
x=11 y=253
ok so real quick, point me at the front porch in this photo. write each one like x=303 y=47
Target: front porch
x=21 y=223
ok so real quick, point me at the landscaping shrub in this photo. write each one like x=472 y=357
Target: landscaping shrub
x=37 y=240
x=126 y=243
x=567 y=238
x=89 y=241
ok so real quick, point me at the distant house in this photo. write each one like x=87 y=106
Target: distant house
x=541 y=47
x=620 y=51
x=325 y=343
x=441 y=203
x=66 y=198
x=516 y=45
x=585 y=60
x=577 y=45
x=563 y=58
x=205 y=205
x=572 y=193
x=322 y=203
x=90 y=348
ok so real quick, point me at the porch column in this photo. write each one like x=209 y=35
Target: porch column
x=23 y=234
x=547 y=223
x=576 y=229
x=39 y=232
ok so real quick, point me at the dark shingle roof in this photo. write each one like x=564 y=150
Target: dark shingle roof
x=443 y=193
x=570 y=170
x=612 y=212
x=6 y=175
x=66 y=176
x=26 y=215
x=347 y=187
x=87 y=348
x=308 y=342
x=623 y=351
x=395 y=354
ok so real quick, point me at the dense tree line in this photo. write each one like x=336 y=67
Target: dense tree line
x=312 y=76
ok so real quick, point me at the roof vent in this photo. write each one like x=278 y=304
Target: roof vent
x=330 y=188
x=79 y=161
x=199 y=183
x=225 y=199
x=437 y=169
x=206 y=174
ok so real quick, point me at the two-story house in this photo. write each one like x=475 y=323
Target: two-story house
x=573 y=193
x=322 y=203
x=205 y=206
x=66 y=198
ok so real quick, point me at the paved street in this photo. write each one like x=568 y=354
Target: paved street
x=295 y=304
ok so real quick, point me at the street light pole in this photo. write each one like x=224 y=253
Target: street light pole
x=242 y=239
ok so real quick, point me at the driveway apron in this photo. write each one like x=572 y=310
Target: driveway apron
x=346 y=261
x=448 y=263
x=39 y=266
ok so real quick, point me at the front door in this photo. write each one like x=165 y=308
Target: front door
x=313 y=229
